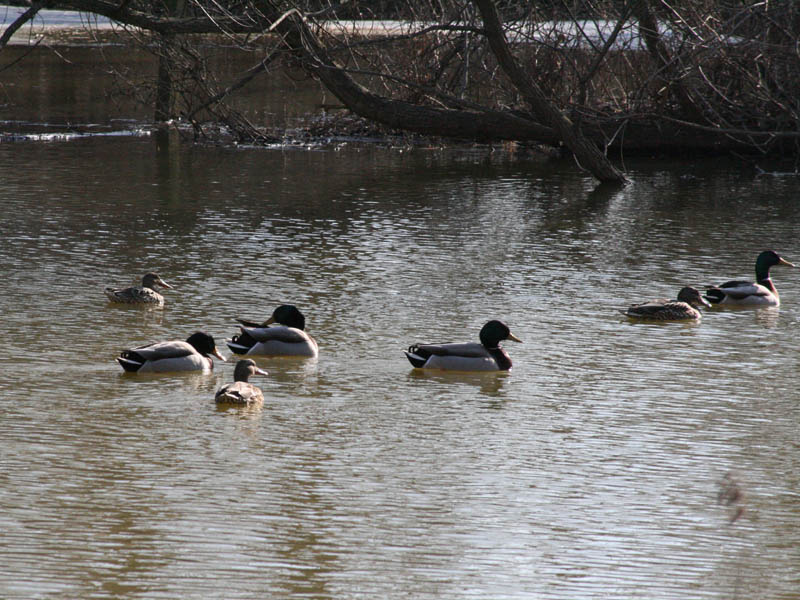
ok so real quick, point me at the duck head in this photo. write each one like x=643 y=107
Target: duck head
x=204 y=344
x=246 y=369
x=495 y=332
x=151 y=279
x=767 y=259
x=287 y=315
x=692 y=297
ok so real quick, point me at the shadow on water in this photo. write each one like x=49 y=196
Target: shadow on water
x=488 y=383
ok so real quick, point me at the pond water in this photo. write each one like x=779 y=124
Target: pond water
x=591 y=470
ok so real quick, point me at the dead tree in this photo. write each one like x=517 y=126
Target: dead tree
x=598 y=78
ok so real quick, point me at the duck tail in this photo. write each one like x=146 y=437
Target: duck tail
x=237 y=348
x=714 y=295
x=415 y=357
x=130 y=361
x=229 y=397
x=240 y=344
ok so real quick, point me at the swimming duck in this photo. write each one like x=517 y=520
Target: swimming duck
x=287 y=338
x=163 y=357
x=146 y=294
x=241 y=391
x=669 y=310
x=486 y=356
x=747 y=293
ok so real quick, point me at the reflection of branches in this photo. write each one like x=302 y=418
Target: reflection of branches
x=249 y=75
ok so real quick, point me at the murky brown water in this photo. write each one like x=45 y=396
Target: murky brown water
x=589 y=471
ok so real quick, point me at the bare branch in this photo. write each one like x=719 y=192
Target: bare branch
x=585 y=152
x=28 y=15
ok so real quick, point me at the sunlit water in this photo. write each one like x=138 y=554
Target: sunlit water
x=590 y=470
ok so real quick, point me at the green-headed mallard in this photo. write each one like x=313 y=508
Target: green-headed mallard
x=241 y=391
x=669 y=310
x=287 y=338
x=146 y=294
x=747 y=293
x=486 y=356
x=164 y=357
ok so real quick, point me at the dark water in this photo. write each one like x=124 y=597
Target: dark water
x=589 y=471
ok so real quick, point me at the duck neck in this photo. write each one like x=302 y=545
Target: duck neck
x=767 y=283
x=762 y=272
x=501 y=357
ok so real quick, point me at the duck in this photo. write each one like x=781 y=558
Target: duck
x=241 y=391
x=747 y=293
x=175 y=355
x=286 y=338
x=471 y=356
x=682 y=309
x=146 y=294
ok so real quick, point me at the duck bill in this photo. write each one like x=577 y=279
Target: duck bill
x=258 y=371
x=514 y=338
x=269 y=321
x=164 y=284
x=785 y=263
x=216 y=353
x=702 y=302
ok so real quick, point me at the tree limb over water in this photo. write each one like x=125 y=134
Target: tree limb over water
x=20 y=22
x=594 y=77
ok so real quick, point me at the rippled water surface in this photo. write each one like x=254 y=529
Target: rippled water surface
x=591 y=470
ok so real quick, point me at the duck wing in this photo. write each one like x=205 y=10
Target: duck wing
x=162 y=350
x=133 y=295
x=739 y=289
x=653 y=307
x=468 y=350
x=288 y=335
x=239 y=392
x=736 y=283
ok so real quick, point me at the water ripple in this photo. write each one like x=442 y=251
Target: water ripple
x=593 y=469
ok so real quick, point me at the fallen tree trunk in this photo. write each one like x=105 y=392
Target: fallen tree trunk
x=484 y=125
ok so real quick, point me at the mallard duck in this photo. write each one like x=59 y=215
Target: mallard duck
x=241 y=391
x=146 y=294
x=669 y=310
x=486 y=356
x=287 y=338
x=163 y=357
x=747 y=293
